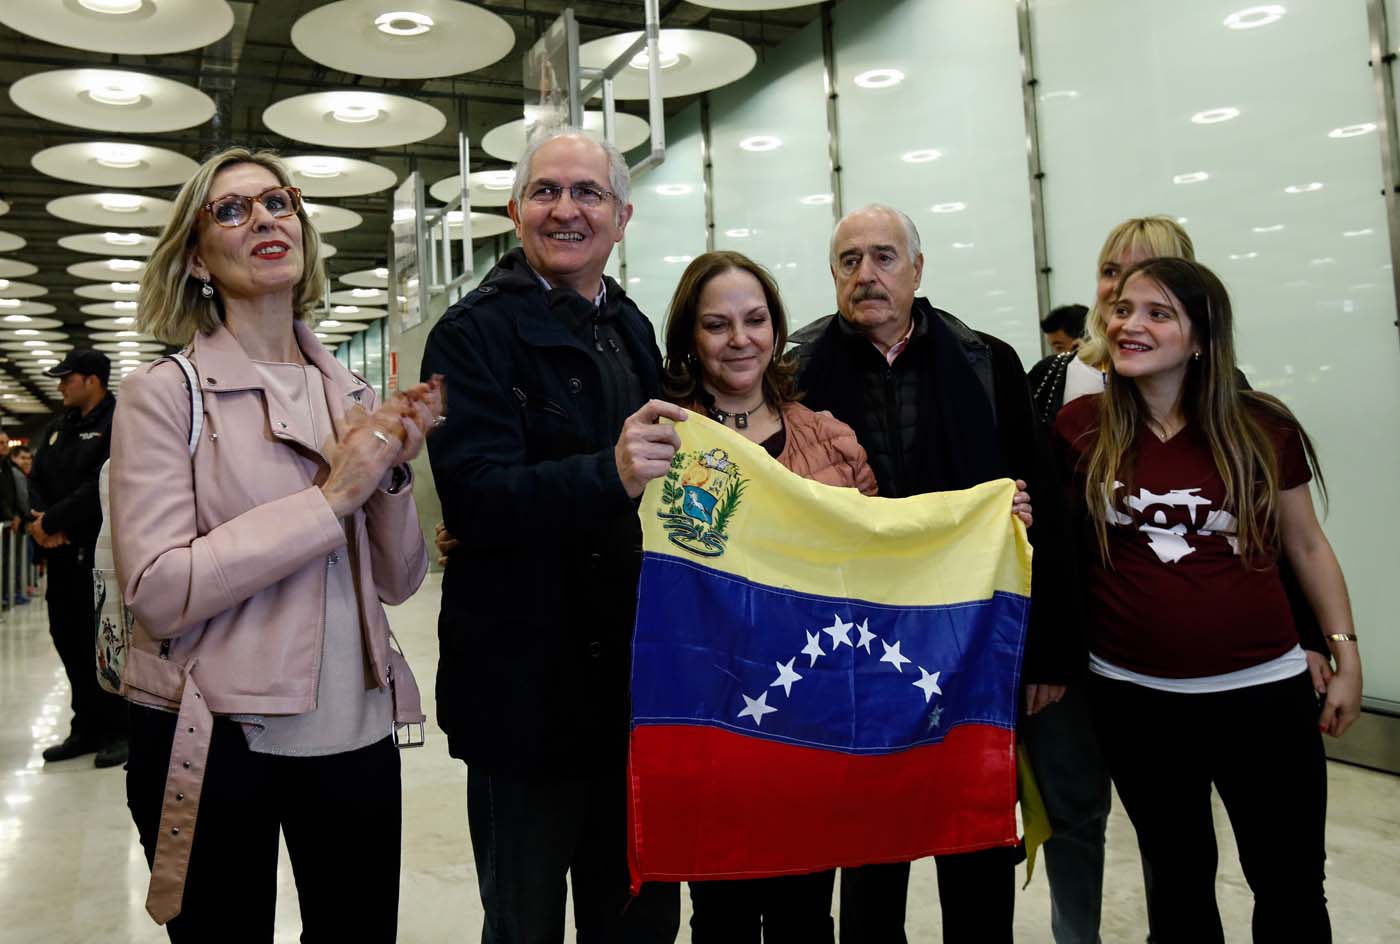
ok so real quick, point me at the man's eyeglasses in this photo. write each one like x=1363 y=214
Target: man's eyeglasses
x=234 y=209
x=584 y=195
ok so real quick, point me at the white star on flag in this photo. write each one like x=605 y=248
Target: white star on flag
x=866 y=636
x=814 y=648
x=756 y=708
x=786 y=676
x=929 y=683
x=839 y=632
x=893 y=656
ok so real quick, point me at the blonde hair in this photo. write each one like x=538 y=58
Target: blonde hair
x=1152 y=236
x=1237 y=425
x=171 y=305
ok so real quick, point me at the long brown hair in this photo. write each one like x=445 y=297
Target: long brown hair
x=681 y=381
x=1235 y=423
x=171 y=306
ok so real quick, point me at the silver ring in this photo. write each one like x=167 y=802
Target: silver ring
x=379 y=435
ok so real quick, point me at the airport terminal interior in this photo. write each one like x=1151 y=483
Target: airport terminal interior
x=1014 y=133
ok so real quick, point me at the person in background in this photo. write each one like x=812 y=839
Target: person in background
x=1189 y=623
x=264 y=688
x=552 y=374
x=1064 y=327
x=20 y=460
x=13 y=514
x=938 y=406
x=23 y=458
x=66 y=516
x=725 y=330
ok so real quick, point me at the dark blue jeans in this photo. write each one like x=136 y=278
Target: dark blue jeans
x=1260 y=748
x=976 y=894
x=789 y=909
x=531 y=835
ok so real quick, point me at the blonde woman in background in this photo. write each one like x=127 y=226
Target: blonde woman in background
x=264 y=690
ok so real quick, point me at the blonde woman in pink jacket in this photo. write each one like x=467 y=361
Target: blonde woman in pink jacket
x=263 y=686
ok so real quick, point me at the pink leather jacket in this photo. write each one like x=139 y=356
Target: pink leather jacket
x=222 y=560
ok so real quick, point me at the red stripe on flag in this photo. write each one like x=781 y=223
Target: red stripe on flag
x=707 y=803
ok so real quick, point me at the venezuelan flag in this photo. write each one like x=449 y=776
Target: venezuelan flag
x=819 y=679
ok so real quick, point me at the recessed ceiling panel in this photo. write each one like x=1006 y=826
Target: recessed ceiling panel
x=105 y=244
x=130 y=27
x=353 y=119
x=112 y=100
x=325 y=175
x=692 y=61
x=115 y=164
x=116 y=210
x=108 y=270
x=408 y=39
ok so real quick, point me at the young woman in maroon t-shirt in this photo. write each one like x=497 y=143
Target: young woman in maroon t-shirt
x=1190 y=490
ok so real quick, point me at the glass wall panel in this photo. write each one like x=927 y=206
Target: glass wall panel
x=357 y=352
x=668 y=219
x=1262 y=140
x=932 y=121
x=374 y=356
x=772 y=175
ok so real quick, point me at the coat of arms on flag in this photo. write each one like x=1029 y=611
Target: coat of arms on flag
x=819 y=678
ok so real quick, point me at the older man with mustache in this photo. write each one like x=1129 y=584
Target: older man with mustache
x=938 y=406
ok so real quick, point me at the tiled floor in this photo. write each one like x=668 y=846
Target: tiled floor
x=71 y=870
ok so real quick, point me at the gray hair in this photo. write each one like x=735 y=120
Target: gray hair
x=911 y=232
x=619 y=177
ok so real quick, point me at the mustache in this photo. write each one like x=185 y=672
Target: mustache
x=868 y=291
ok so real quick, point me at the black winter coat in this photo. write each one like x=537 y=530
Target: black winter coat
x=832 y=361
x=63 y=482
x=539 y=600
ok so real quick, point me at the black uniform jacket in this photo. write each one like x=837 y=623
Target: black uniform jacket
x=63 y=482
x=539 y=600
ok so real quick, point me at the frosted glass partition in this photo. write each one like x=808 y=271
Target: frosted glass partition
x=772 y=174
x=931 y=121
x=668 y=219
x=1262 y=140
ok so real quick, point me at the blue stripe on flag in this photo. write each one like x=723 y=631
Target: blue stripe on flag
x=843 y=674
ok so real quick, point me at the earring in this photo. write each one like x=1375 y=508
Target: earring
x=208 y=292
x=1196 y=356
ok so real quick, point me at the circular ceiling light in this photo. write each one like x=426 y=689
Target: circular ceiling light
x=26 y=332
x=14 y=303
x=1254 y=17
x=1194 y=177
x=666 y=59
x=330 y=323
x=957 y=206
x=4 y=284
x=507 y=141
x=115 y=89
x=879 y=78
x=382 y=272
x=119 y=202
x=365 y=292
x=321 y=168
x=1268 y=229
x=113 y=7
x=1213 y=116
x=817 y=199
x=124 y=306
x=124 y=265
x=128 y=344
x=741 y=232
x=1352 y=131
x=921 y=157
x=1304 y=188
x=403 y=23
x=676 y=259
x=122 y=239
x=962 y=245
x=673 y=190
x=355 y=112
x=498 y=179
x=1358 y=232
x=691 y=61
x=126 y=288
x=761 y=142
x=118 y=156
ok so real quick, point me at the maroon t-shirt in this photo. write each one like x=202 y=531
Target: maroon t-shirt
x=1177 y=601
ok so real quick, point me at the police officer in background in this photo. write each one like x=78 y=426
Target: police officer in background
x=65 y=518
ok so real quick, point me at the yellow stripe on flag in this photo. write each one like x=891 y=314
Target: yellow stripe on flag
x=727 y=505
